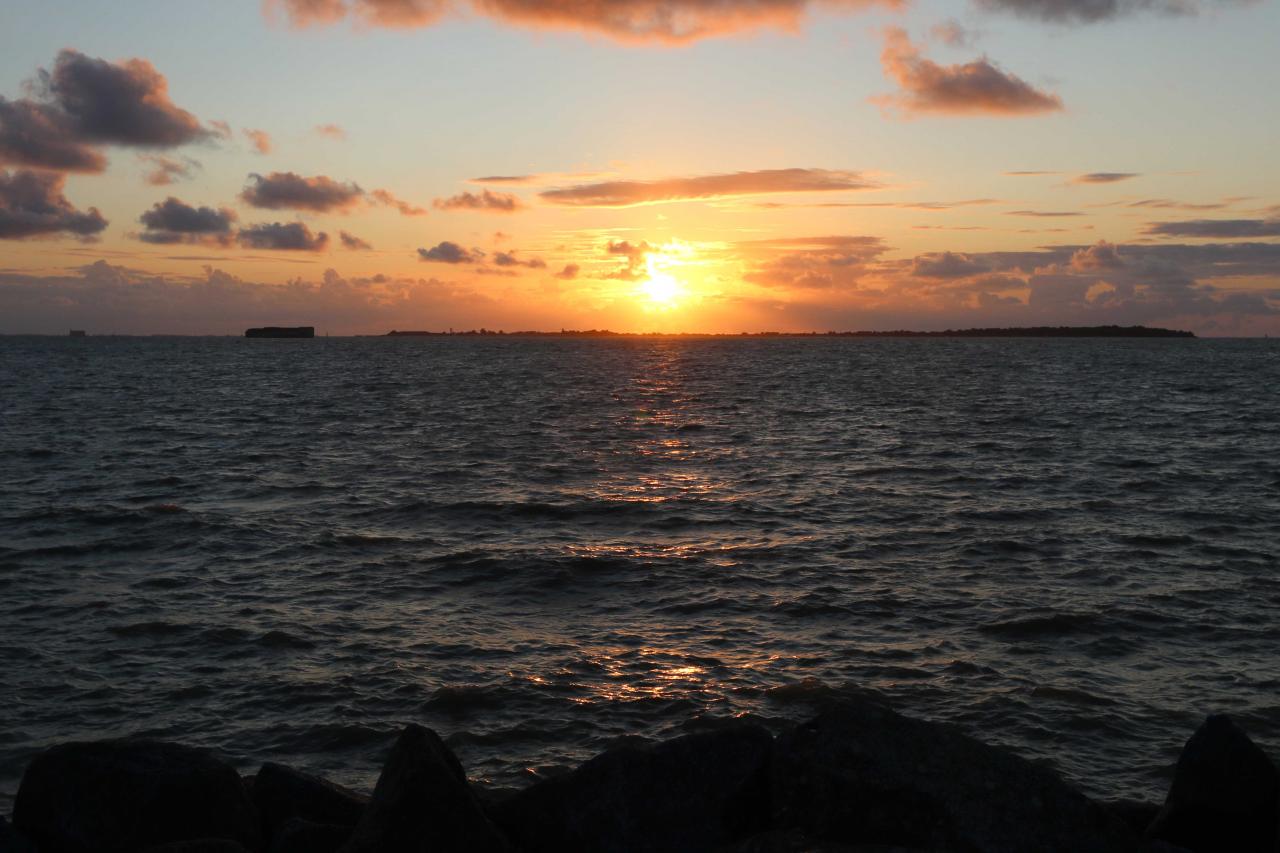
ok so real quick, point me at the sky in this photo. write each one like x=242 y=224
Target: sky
x=638 y=165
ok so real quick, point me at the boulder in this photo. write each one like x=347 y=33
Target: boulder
x=297 y=835
x=863 y=774
x=1223 y=796
x=125 y=795
x=422 y=802
x=282 y=793
x=697 y=792
x=12 y=841
x=199 y=845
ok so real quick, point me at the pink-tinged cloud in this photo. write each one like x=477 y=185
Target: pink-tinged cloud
x=486 y=201
x=163 y=171
x=260 y=140
x=655 y=21
x=1044 y=214
x=973 y=88
x=173 y=221
x=810 y=263
x=290 y=191
x=331 y=131
x=704 y=187
x=354 y=243
x=283 y=237
x=32 y=204
x=39 y=136
x=388 y=199
x=1103 y=177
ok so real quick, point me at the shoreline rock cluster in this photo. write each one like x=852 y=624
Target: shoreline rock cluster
x=858 y=779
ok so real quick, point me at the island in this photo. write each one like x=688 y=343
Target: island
x=281 y=332
x=1013 y=332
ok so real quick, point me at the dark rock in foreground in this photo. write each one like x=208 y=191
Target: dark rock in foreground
x=694 y=793
x=282 y=793
x=126 y=795
x=1224 y=794
x=866 y=775
x=297 y=835
x=423 y=803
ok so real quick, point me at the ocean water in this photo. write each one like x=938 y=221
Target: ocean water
x=287 y=550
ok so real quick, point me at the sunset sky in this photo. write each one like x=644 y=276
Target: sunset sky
x=639 y=165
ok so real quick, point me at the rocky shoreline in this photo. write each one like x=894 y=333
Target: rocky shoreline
x=859 y=778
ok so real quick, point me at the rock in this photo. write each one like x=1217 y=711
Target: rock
x=863 y=774
x=1223 y=796
x=1136 y=814
x=125 y=795
x=297 y=835
x=792 y=841
x=282 y=793
x=13 y=841
x=422 y=802
x=693 y=793
x=199 y=845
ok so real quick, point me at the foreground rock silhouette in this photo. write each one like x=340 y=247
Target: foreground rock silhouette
x=858 y=779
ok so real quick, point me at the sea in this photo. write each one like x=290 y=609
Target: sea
x=287 y=550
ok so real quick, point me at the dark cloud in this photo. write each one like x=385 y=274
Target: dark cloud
x=1100 y=256
x=259 y=139
x=569 y=273
x=32 y=204
x=1103 y=177
x=164 y=171
x=388 y=199
x=173 y=221
x=41 y=137
x=125 y=103
x=703 y=187
x=289 y=191
x=1222 y=229
x=1090 y=11
x=509 y=259
x=972 y=88
x=952 y=32
x=946 y=265
x=85 y=103
x=663 y=21
x=448 y=252
x=504 y=179
x=1050 y=214
x=1029 y=173
x=354 y=243
x=283 y=236
x=811 y=263
x=486 y=201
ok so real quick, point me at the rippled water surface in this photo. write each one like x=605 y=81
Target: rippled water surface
x=287 y=549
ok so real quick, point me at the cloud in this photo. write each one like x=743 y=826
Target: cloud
x=40 y=137
x=946 y=265
x=569 y=273
x=951 y=32
x=331 y=131
x=973 y=88
x=174 y=221
x=509 y=259
x=354 y=243
x=504 y=179
x=259 y=139
x=1090 y=11
x=102 y=296
x=703 y=187
x=487 y=201
x=448 y=252
x=168 y=170
x=660 y=21
x=1043 y=213
x=1103 y=177
x=86 y=103
x=32 y=204
x=1225 y=229
x=1029 y=173
x=811 y=263
x=385 y=197
x=282 y=236
x=289 y=191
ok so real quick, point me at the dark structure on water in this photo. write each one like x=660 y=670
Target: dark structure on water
x=77 y=333
x=282 y=332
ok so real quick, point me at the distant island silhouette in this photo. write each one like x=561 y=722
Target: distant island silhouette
x=281 y=332
x=1013 y=332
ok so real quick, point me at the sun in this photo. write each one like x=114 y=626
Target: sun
x=660 y=286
